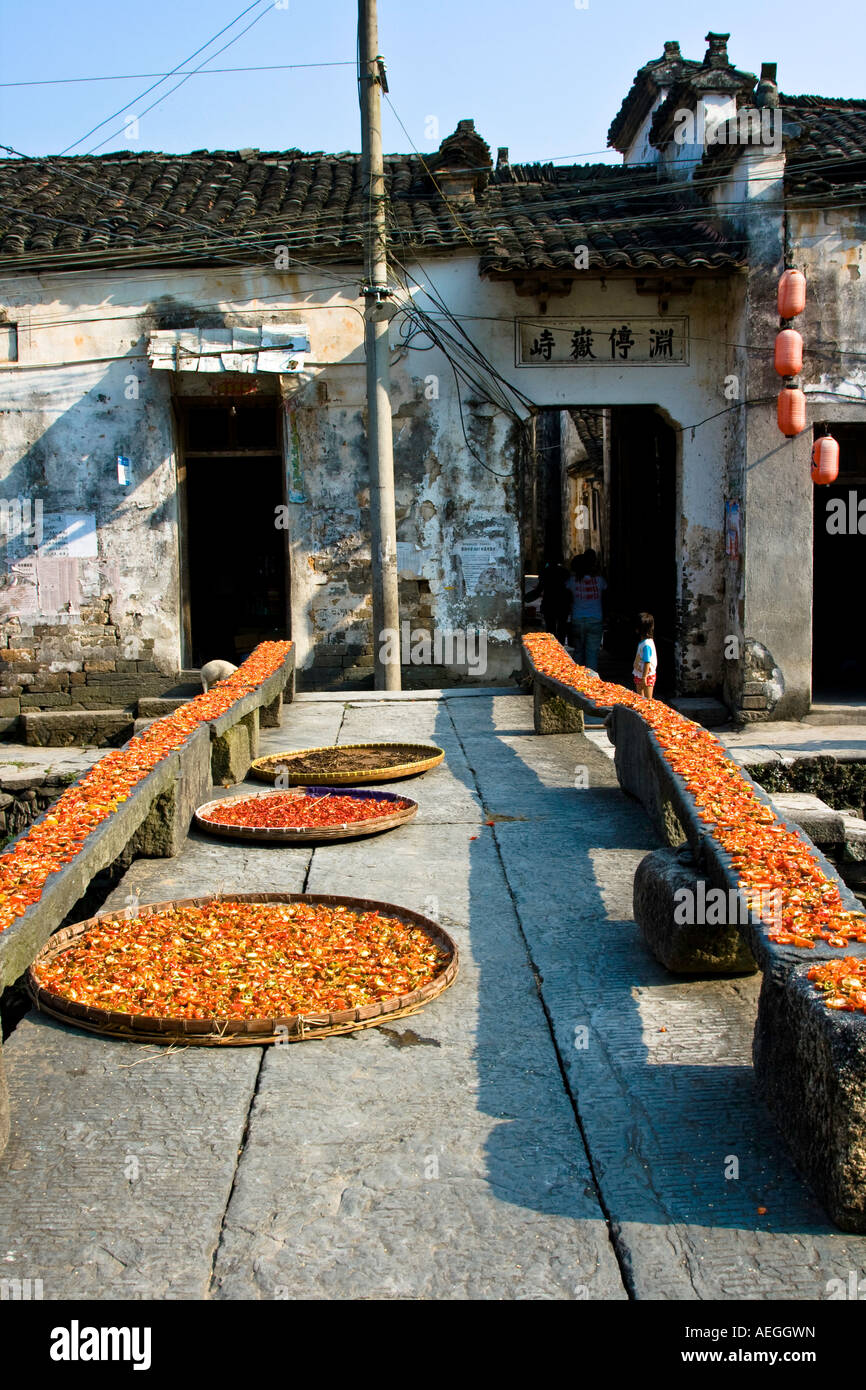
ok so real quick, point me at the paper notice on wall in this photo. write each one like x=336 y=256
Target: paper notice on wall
x=481 y=566
x=411 y=558
x=20 y=594
x=57 y=584
x=71 y=534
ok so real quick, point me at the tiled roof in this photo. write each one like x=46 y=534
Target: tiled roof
x=626 y=216
x=824 y=141
x=649 y=80
x=827 y=143
x=218 y=203
x=683 y=81
x=228 y=206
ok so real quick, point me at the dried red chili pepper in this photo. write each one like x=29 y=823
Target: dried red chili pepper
x=288 y=811
x=842 y=983
x=244 y=960
x=56 y=839
x=767 y=856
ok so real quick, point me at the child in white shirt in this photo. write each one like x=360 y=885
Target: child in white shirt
x=645 y=658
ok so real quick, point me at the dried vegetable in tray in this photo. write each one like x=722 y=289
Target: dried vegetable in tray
x=289 y=811
x=238 y=960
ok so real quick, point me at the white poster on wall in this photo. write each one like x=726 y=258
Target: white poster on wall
x=70 y=534
x=481 y=566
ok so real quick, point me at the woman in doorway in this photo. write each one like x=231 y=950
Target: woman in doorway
x=587 y=588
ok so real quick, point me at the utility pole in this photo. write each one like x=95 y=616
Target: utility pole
x=380 y=442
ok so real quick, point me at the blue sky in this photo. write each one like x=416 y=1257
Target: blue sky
x=542 y=77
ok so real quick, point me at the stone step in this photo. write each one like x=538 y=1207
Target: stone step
x=180 y=690
x=83 y=728
x=153 y=706
x=836 y=714
x=820 y=822
x=854 y=835
x=702 y=709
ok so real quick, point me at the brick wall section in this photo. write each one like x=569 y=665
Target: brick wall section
x=91 y=673
x=343 y=651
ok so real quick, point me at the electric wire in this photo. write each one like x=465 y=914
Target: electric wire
x=176 y=72
x=159 y=100
x=142 y=95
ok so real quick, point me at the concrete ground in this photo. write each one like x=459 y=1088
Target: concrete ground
x=788 y=740
x=781 y=741
x=568 y=1121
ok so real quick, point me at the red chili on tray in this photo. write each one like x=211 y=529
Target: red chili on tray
x=244 y=960
x=288 y=811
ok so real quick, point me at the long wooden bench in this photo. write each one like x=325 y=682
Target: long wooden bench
x=152 y=821
x=809 y=1060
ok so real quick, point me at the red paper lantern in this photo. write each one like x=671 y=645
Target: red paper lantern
x=788 y=356
x=825 y=459
x=792 y=411
x=792 y=294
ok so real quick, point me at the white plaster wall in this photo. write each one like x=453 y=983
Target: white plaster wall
x=67 y=416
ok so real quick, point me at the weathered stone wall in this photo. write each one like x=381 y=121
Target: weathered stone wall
x=19 y=806
x=83 y=393
x=456 y=464
x=446 y=498
x=769 y=587
x=684 y=395
x=99 y=677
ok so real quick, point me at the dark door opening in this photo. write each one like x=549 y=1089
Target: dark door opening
x=642 y=572
x=605 y=478
x=235 y=556
x=838 y=566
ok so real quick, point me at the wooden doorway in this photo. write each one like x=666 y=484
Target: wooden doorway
x=234 y=560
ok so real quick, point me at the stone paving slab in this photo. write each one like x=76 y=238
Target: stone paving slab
x=787 y=740
x=662 y=1077
x=119 y=1164
x=446 y=793
x=304 y=726
x=18 y=760
x=438 y=1156
x=446 y=1167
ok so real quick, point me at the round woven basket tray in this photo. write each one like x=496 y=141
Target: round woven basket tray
x=240 y=1032
x=404 y=809
x=414 y=758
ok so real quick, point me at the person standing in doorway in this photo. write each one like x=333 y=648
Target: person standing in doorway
x=587 y=587
x=555 y=598
x=645 y=658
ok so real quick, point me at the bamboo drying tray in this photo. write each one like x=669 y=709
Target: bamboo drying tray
x=404 y=809
x=417 y=758
x=239 y=1032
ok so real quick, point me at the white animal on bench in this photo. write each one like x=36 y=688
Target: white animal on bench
x=215 y=671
